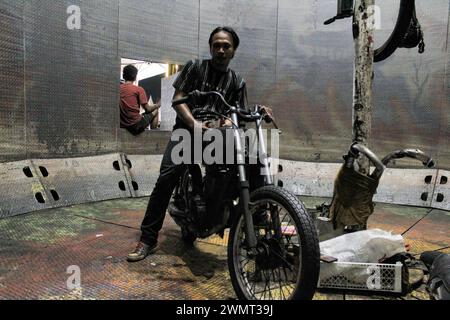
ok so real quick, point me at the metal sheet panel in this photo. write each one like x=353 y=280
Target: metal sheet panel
x=406 y=186
x=409 y=106
x=255 y=23
x=11 y=8
x=19 y=193
x=80 y=180
x=314 y=72
x=309 y=178
x=148 y=142
x=412 y=187
x=12 y=107
x=313 y=96
x=71 y=78
x=444 y=141
x=163 y=31
x=143 y=171
x=441 y=195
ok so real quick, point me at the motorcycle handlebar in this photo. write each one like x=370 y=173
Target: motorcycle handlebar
x=177 y=102
x=244 y=114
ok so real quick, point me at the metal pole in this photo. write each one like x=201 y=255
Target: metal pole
x=363 y=77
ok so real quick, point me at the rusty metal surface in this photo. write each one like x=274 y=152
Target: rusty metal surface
x=430 y=233
x=312 y=96
x=37 y=249
x=71 y=79
x=411 y=98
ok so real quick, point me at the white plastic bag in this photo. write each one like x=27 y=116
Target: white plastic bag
x=368 y=246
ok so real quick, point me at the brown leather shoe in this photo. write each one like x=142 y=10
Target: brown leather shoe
x=141 y=251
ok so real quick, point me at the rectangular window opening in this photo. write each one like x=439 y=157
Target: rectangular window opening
x=156 y=79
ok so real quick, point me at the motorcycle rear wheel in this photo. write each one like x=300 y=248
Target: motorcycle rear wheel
x=289 y=263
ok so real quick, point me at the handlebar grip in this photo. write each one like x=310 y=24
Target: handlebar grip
x=177 y=102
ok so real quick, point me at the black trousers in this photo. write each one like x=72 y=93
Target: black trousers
x=140 y=126
x=169 y=175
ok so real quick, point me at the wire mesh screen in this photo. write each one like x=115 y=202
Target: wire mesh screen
x=59 y=86
x=361 y=276
x=71 y=78
x=12 y=108
x=256 y=24
x=164 y=31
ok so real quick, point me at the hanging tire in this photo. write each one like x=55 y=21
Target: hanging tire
x=288 y=263
x=405 y=15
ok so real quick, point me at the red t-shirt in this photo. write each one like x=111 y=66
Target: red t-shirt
x=131 y=98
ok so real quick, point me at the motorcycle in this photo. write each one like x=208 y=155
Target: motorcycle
x=273 y=250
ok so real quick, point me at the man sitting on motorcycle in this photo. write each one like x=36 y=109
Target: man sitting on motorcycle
x=203 y=75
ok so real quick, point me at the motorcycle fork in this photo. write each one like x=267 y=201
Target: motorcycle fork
x=244 y=187
x=263 y=153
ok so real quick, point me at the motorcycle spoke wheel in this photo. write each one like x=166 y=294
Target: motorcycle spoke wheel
x=278 y=271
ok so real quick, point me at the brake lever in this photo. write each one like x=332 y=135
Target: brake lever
x=276 y=127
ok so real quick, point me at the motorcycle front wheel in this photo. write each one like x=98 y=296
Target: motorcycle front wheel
x=287 y=264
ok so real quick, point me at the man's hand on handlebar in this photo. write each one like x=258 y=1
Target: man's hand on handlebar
x=226 y=123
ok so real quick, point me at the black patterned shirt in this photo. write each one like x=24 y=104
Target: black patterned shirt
x=201 y=75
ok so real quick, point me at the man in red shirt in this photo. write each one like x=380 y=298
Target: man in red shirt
x=131 y=98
